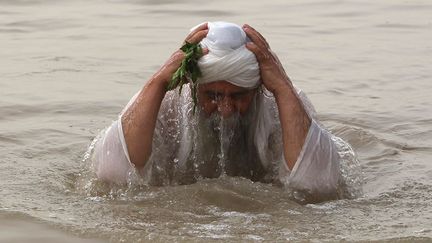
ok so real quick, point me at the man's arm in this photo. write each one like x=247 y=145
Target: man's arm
x=294 y=120
x=139 y=120
x=295 y=123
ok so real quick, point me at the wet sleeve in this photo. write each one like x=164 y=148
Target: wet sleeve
x=111 y=158
x=316 y=171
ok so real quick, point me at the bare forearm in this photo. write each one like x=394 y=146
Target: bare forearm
x=294 y=121
x=139 y=121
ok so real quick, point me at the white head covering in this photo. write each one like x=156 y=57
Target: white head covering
x=228 y=58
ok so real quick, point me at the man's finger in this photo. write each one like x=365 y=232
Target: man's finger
x=198 y=36
x=251 y=31
x=260 y=36
x=205 y=51
x=203 y=26
x=259 y=53
x=254 y=37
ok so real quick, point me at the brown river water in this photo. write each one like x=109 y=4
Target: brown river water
x=68 y=67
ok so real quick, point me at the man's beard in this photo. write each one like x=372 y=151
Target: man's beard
x=226 y=129
x=218 y=139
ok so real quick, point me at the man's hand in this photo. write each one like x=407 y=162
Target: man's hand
x=166 y=72
x=273 y=74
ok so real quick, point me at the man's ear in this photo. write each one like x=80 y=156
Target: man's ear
x=260 y=87
x=262 y=90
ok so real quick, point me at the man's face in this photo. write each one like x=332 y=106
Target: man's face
x=224 y=98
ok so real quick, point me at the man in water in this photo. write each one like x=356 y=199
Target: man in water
x=250 y=121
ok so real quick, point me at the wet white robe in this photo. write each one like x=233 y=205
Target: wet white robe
x=317 y=170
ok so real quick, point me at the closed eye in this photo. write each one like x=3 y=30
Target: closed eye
x=213 y=95
x=239 y=95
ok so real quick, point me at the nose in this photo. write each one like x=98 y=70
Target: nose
x=226 y=107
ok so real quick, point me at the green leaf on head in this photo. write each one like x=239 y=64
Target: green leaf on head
x=188 y=70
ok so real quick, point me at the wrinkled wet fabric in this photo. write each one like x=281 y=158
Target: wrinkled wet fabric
x=179 y=155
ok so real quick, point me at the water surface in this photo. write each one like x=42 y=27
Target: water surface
x=68 y=67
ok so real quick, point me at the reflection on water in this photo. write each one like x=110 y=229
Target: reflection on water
x=70 y=66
